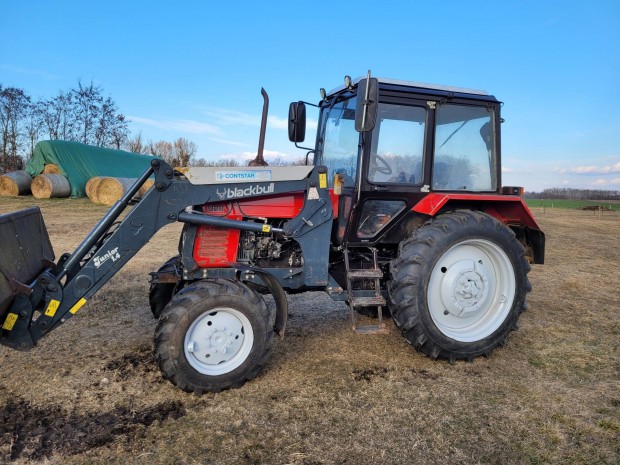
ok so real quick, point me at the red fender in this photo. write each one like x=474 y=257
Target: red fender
x=508 y=209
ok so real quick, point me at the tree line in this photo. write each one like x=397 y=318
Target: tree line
x=80 y=114
x=574 y=194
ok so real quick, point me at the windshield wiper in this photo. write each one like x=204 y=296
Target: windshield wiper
x=453 y=133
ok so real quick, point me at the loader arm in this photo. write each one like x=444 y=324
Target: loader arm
x=59 y=291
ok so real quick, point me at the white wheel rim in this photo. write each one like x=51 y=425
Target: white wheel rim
x=218 y=341
x=471 y=290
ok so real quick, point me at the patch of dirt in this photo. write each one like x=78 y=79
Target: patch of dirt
x=138 y=363
x=30 y=432
x=422 y=373
x=369 y=374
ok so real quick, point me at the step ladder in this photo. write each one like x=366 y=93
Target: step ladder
x=357 y=300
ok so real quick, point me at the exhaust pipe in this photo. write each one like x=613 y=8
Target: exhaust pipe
x=259 y=160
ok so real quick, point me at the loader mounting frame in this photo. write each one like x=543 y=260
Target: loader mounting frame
x=59 y=291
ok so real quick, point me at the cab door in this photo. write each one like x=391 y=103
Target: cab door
x=394 y=172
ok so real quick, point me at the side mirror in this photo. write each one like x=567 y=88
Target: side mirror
x=367 y=104
x=297 y=122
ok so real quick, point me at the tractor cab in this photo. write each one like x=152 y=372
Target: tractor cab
x=387 y=144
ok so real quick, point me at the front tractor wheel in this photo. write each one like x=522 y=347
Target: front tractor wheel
x=213 y=335
x=459 y=285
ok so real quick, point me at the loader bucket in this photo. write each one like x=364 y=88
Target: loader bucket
x=25 y=248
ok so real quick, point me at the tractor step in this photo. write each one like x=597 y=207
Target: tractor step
x=367 y=301
x=366 y=273
x=373 y=275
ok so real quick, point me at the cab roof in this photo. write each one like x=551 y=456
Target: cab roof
x=411 y=86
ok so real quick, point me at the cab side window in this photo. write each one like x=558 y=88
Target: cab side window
x=465 y=155
x=398 y=145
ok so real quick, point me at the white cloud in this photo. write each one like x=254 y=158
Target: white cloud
x=592 y=169
x=505 y=169
x=606 y=182
x=231 y=117
x=180 y=125
x=277 y=122
x=229 y=142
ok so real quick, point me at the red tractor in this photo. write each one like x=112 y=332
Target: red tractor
x=399 y=208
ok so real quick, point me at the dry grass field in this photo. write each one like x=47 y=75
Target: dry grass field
x=90 y=392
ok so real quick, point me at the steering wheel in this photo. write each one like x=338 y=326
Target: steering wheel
x=381 y=166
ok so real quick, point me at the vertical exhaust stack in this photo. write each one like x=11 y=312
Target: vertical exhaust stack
x=259 y=160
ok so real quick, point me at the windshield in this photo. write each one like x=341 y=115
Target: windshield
x=339 y=141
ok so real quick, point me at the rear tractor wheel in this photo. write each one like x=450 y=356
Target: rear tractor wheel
x=213 y=335
x=459 y=285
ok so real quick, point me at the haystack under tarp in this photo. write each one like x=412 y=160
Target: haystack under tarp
x=80 y=162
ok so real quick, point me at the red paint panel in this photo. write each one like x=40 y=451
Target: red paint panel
x=282 y=206
x=506 y=208
x=215 y=247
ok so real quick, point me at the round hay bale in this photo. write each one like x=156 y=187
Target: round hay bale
x=146 y=186
x=50 y=168
x=46 y=186
x=91 y=188
x=110 y=190
x=15 y=183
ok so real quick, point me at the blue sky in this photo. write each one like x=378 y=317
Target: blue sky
x=195 y=69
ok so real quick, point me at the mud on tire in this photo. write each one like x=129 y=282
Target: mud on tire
x=459 y=285
x=213 y=335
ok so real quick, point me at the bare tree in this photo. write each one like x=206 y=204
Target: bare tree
x=161 y=149
x=119 y=131
x=33 y=126
x=87 y=103
x=134 y=144
x=111 y=127
x=14 y=105
x=56 y=115
x=184 y=152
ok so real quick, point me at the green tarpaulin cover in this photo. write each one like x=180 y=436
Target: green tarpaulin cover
x=80 y=162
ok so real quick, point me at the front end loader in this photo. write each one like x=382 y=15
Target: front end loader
x=399 y=209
